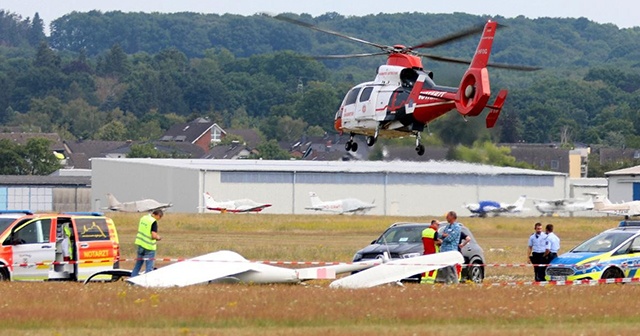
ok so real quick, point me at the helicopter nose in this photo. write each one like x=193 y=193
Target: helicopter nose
x=338 y=124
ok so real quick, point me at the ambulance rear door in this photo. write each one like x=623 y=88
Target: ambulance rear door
x=95 y=250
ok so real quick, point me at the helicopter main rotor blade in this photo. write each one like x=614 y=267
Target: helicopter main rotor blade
x=316 y=28
x=449 y=38
x=493 y=65
x=350 y=55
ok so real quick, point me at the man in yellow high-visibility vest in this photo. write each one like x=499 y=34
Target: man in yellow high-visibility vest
x=146 y=241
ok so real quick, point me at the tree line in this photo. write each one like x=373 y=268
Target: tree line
x=119 y=76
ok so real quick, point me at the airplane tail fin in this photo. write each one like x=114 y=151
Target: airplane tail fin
x=315 y=200
x=519 y=204
x=113 y=202
x=209 y=202
x=600 y=202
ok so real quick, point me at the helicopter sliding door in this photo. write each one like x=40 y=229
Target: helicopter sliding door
x=365 y=105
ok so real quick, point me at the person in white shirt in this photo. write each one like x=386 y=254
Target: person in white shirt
x=537 y=247
x=553 y=246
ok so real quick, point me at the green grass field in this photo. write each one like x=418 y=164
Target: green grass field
x=314 y=309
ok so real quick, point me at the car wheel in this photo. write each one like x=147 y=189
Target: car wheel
x=612 y=273
x=475 y=273
x=4 y=273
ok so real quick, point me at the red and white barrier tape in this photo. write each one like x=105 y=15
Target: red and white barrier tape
x=291 y=263
x=563 y=283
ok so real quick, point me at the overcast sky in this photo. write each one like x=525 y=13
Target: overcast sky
x=623 y=13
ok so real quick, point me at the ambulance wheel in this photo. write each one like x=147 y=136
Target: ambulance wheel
x=4 y=276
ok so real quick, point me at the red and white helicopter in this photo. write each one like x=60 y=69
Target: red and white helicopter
x=403 y=97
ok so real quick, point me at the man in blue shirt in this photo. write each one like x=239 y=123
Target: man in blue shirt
x=451 y=233
x=450 y=242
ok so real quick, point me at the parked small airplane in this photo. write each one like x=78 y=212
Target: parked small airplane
x=231 y=267
x=601 y=203
x=555 y=206
x=145 y=205
x=483 y=208
x=241 y=205
x=341 y=206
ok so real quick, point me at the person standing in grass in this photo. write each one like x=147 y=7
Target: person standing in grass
x=450 y=241
x=537 y=247
x=553 y=244
x=146 y=241
x=431 y=244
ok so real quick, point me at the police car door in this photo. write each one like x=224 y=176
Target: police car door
x=33 y=251
x=633 y=263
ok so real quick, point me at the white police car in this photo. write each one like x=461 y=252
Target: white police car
x=614 y=253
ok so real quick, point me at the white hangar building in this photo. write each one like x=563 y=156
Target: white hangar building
x=397 y=188
x=624 y=184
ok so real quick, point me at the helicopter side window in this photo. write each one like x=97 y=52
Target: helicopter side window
x=351 y=96
x=366 y=94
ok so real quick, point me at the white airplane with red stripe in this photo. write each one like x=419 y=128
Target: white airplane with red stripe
x=235 y=206
x=341 y=206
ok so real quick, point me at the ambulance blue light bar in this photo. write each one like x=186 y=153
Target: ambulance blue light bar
x=26 y=212
x=84 y=213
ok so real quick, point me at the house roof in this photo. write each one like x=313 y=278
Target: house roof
x=250 y=136
x=22 y=138
x=618 y=154
x=188 y=132
x=229 y=151
x=93 y=148
x=45 y=180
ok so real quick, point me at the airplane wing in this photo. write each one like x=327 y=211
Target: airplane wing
x=229 y=266
x=203 y=269
x=634 y=209
x=150 y=205
x=398 y=269
x=256 y=208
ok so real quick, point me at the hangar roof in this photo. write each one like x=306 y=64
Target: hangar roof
x=430 y=167
x=625 y=171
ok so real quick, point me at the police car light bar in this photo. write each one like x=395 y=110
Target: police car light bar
x=627 y=223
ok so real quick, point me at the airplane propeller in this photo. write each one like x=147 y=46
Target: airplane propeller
x=400 y=49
